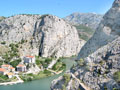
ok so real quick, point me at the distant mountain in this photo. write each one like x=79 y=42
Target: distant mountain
x=89 y=19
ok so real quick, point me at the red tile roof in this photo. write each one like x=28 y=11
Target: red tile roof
x=30 y=56
x=5 y=65
x=20 y=65
x=12 y=68
x=2 y=70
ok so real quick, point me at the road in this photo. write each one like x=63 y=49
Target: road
x=82 y=84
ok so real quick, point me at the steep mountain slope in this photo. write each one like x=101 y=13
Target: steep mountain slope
x=45 y=35
x=99 y=71
x=89 y=19
x=106 y=32
x=100 y=67
x=85 y=23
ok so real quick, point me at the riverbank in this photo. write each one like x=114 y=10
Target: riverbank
x=41 y=84
x=52 y=69
x=32 y=77
x=14 y=82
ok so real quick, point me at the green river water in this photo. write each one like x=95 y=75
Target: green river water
x=42 y=84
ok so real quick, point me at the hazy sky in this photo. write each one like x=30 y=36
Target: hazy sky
x=59 y=8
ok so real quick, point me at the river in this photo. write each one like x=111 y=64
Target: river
x=42 y=84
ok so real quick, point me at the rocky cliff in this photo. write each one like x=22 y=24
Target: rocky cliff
x=97 y=72
x=106 y=32
x=100 y=67
x=45 y=35
x=89 y=19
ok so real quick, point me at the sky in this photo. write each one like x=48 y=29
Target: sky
x=60 y=8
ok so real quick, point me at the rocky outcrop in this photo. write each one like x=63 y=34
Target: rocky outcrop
x=55 y=37
x=47 y=35
x=106 y=32
x=97 y=72
x=16 y=28
x=89 y=19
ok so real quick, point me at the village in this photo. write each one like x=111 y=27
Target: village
x=27 y=66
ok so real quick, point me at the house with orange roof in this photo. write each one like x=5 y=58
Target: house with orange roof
x=21 y=68
x=3 y=71
x=6 y=66
x=29 y=59
x=10 y=75
x=12 y=69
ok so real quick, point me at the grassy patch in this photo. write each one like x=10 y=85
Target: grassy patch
x=30 y=77
x=84 y=28
x=4 y=78
x=59 y=66
x=67 y=78
x=84 y=32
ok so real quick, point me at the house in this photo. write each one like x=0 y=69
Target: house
x=21 y=68
x=6 y=66
x=29 y=59
x=12 y=69
x=3 y=71
x=10 y=75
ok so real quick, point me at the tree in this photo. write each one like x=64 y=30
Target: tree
x=81 y=62
x=15 y=62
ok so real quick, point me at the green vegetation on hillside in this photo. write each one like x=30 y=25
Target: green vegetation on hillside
x=13 y=52
x=15 y=62
x=3 y=49
x=59 y=66
x=85 y=32
x=81 y=62
x=3 y=42
x=43 y=61
x=67 y=78
x=117 y=76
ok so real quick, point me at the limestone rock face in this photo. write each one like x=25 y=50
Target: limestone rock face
x=55 y=37
x=107 y=31
x=45 y=35
x=102 y=65
x=16 y=28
